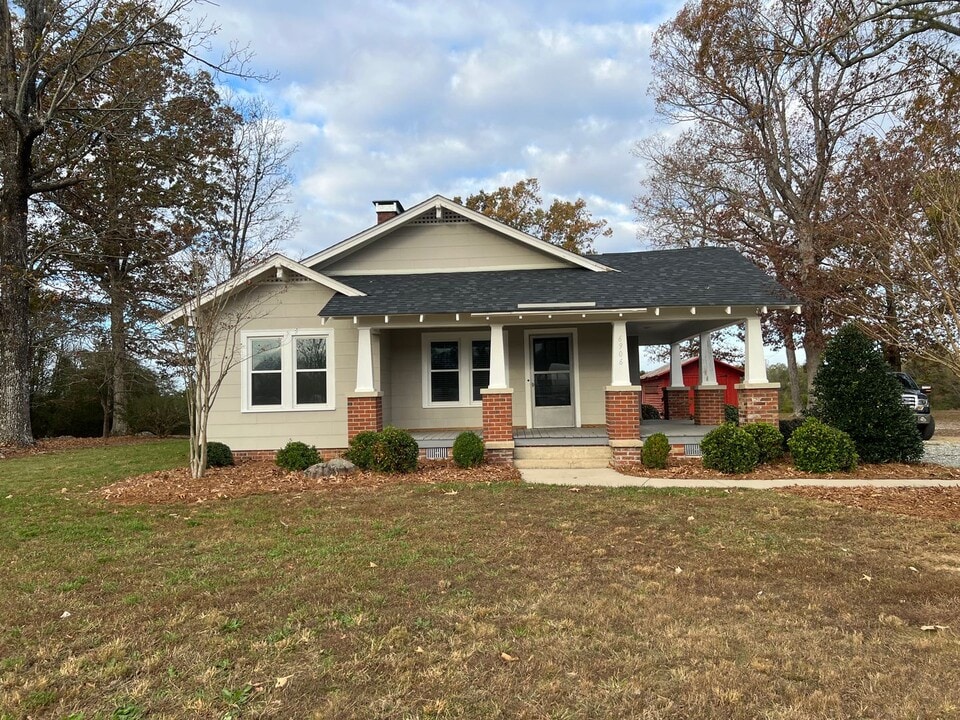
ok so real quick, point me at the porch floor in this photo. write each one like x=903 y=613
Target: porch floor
x=679 y=432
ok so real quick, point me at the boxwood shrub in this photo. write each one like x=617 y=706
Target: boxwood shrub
x=769 y=441
x=219 y=454
x=649 y=412
x=296 y=456
x=360 y=452
x=656 y=450
x=729 y=449
x=468 y=450
x=395 y=451
x=819 y=448
x=731 y=413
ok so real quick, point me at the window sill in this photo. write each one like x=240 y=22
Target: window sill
x=280 y=408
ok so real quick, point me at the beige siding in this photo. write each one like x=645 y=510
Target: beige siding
x=406 y=378
x=290 y=306
x=453 y=247
x=406 y=397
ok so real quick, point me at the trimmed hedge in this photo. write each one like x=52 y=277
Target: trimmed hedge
x=729 y=449
x=769 y=441
x=297 y=456
x=395 y=451
x=219 y=454
x=360 y=452
x=649 y=412
x=468 y=450
x=656 y=450
x=731 y=414
x=819 y=448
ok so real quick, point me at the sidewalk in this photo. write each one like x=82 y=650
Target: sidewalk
x=605 y=477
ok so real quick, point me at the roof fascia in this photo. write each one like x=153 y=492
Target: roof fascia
x=369 y=235
x=273 y=262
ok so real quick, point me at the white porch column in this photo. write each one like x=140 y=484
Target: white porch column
x=754 y=366
x=676 y=366
x=620 y=375
x=708 y=371
x=364 y=361
x=633 y=357
x=498 y=358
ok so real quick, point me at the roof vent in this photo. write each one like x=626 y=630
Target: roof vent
x=387 y=209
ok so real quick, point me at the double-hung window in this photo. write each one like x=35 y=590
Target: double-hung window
x=455 y=368
x=288 y=370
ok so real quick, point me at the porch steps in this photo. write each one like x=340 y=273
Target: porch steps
x=547 y=456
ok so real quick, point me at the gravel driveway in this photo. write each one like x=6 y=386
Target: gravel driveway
x=942 y=452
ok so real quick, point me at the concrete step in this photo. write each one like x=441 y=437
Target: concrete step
x=579 y=456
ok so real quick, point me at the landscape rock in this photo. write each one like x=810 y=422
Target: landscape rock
x=337 y=466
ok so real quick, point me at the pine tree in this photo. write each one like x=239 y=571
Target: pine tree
x=857 y=394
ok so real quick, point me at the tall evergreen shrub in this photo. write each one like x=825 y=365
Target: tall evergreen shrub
x=857 y=394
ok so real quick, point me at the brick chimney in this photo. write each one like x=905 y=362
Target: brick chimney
x=387 y=209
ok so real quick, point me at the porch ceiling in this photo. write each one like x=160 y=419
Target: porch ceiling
x=666 y=332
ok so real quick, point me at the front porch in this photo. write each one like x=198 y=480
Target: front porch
x=684 y=436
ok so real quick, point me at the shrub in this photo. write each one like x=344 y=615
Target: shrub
x=395 y=451
x=731 y=414
x=656 y=450
x=857 y=394
x=468 y=450
x=729 y=449
x=787 y=427
x=649 y=412
x=360 y=452
x=218 y=454
x=769 y=441
x=819 y=448
x=161 y=415
x=297 y=456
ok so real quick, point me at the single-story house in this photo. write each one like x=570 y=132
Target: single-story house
x=438 y=318
x=655 y=383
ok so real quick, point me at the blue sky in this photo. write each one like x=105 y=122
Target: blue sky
x=402 y=100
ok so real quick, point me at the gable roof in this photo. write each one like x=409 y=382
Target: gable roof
x=438 y=202
x=664 y=370
x=273 y=262
x=708 y=276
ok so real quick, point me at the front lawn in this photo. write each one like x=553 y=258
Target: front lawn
x=468 y=601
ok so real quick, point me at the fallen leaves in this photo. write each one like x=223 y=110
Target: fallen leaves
x=935 y=503
x=934 y=628
x=259 y=478
x=508 y=658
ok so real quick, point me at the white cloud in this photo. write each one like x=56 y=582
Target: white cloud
x=406 y=99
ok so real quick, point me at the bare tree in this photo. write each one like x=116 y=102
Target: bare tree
x=772 y=117
x=255 y=182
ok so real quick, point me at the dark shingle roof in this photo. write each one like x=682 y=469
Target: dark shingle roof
x=658 y=278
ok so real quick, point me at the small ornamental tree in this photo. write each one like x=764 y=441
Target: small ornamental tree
x=857 y=394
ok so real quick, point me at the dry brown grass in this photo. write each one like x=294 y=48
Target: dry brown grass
x=410 y=601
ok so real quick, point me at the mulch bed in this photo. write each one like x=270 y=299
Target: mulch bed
x=692 y=469
x=260 y=477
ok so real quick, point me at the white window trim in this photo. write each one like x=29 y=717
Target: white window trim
x=288 y=371
x=464 y=369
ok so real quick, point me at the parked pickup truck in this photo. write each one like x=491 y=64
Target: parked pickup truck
x=917 y=398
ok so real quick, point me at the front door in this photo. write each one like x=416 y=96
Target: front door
x=551 y=381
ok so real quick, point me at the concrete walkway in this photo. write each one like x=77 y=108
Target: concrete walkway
x=605 y=477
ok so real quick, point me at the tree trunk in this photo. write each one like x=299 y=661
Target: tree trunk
x=118 y=341
x=15 y=287
x=794 y=374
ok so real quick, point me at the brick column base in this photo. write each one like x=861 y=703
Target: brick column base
x=759 y=403
x=623 y=424
x=708 y=404
x=677 y=403
x=623 y=412
x=364 y=412
x=497 y=425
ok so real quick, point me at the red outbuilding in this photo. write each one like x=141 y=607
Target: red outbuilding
x=654 y=382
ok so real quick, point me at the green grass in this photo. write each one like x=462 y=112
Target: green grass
x=397 y=603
